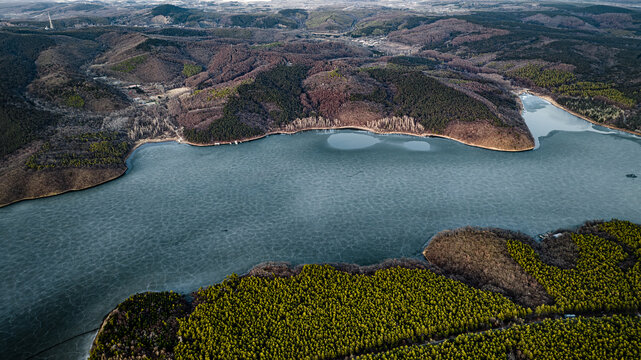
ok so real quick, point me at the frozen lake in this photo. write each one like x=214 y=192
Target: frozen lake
x=185 y=217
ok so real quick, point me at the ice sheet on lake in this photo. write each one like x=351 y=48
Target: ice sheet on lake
x=542 y=118
x=186 y=217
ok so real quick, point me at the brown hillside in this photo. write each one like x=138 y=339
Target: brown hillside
x=458 y=31
x=18 y=183
x=480 y=258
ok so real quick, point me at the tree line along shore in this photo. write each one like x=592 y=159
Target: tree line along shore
x=575 y=294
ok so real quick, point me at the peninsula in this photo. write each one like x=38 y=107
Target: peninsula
x=481 y=293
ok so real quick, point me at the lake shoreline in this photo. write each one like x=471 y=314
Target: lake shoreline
x=360 y=128
x=102 y=181
x=283 y=269
x=474 y=271
x=180 y=140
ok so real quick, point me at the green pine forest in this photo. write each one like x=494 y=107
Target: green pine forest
x=398 y=313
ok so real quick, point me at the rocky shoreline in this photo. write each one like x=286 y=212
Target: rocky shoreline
x=39 y=184
x=19 y=184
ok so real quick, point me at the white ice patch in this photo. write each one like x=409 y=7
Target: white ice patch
x=351 y=141
x=417 y=145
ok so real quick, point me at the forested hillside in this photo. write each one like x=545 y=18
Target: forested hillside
x=592 y=69
x=173 y=72
x=20 y=121
x=433 y=104
x=272 y=99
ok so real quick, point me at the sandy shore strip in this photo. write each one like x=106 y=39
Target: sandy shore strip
x=177 y=138
x=352 y=127
x=181 y=140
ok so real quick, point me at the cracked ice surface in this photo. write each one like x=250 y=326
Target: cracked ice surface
x=185 y=217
